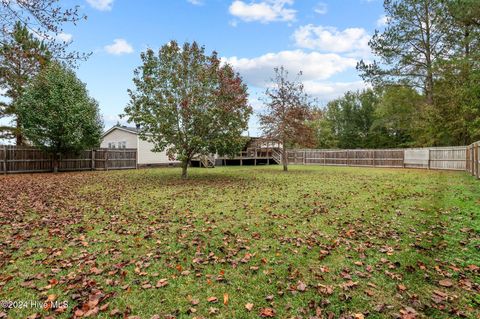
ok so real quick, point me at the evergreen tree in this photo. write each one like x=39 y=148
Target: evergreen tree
x=21 y=58
x=412 y=42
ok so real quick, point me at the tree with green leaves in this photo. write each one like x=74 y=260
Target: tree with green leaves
x=396 y=119
x=288 y=113
x=455 y=118
x=58 y=116
x=21 y=58
x=188 y=103
x=348 y=121
x=464 y=31
x=413 y=40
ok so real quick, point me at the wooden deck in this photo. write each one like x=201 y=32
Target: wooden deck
x=250 y=156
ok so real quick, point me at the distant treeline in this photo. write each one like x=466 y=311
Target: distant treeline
x=425 y=79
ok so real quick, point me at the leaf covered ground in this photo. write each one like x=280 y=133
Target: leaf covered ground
x=241 y=242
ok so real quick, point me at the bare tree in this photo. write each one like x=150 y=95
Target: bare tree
x=45 y=19
x=288 y=111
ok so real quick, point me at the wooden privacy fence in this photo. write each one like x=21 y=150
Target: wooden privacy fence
x=380 y=158
x=24 y=159
x=458 y=158
x=473 y=160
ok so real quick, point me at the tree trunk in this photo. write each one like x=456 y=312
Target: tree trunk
x=428 y=56
x=284 y=157
x=184 y=169
x=466 y=39
x=55 y=163
x=18 y=133
x=18 y=139
x=429 y=87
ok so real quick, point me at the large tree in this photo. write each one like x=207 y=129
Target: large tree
x=58 y=115
x=45 y=19
x=348 y=120
x=188 y=103
x=464 y=28
x=21 y=58
x=413 y=40
x=455 y=118
x=397 y=121
x=287 y=114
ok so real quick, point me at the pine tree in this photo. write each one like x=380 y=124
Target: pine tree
x=21 y=58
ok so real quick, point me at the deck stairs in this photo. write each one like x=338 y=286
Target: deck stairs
x=207 y=161
x=277 y=156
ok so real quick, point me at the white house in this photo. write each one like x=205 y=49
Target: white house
x=127 y=137
x=256 y=151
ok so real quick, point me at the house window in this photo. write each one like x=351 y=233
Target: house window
x=111 y=145
x=122 y=144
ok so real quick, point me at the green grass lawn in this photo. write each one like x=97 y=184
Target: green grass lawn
x=316 y=242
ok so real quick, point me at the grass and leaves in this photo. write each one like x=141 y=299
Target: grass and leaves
x=241 y=242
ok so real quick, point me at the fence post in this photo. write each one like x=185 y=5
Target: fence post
x=106 y=160
x=93 y=160
x=467 y=158
x=304 y=157
x=4 y=162
x=472 y=160
x=429 y=150
x=476 y=161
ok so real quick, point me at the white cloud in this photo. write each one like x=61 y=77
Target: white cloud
x=353 y=40
x=196 y=2
x=263 y=11
x=382 y=21
x=102 y=5
x=65 y=37
x=323 y=91
x=321 y=8
x=331 y=90
x=119 y=46
x=315 y=66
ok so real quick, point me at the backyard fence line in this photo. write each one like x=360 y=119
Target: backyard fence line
x=457 y=158
x=26 y=159
x=473 y=160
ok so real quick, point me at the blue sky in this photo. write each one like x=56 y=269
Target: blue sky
x=324 y=39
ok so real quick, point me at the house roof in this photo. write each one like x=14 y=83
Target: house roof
x=129 y=129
